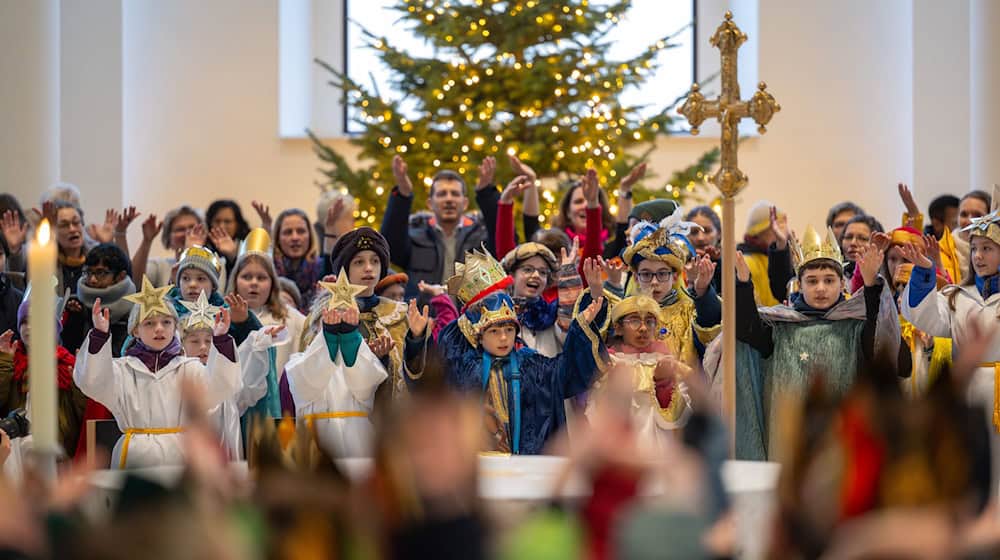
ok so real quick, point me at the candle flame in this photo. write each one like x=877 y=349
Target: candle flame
x=43 y=232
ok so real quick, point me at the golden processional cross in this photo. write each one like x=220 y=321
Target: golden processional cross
x=729 y=110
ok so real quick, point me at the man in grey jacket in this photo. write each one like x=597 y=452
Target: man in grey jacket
x=428 y=251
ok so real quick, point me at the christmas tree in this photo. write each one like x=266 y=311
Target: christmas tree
x=522 y=77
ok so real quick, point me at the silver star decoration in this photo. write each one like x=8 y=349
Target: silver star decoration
x=983 y=222
x=202 y=313
x=804 y=356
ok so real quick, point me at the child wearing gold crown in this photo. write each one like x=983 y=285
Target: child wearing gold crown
x=781 y=348
x=333 y=382
x=659 y=398
x=143 y=388
x=523 y=391
x=962 y=311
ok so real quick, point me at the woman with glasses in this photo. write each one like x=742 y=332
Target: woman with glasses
x=656 y=259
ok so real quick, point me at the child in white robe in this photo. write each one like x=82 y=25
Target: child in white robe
x=142 y=389
x=334 y=382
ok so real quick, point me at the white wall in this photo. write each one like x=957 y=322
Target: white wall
x=871 y=94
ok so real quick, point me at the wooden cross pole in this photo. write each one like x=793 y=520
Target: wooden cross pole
x=729 y=110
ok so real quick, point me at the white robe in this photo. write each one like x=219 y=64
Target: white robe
x=934 y=316
x=141 y=399
x=654 y=432
x=294 y=323
x=255 y=362
x=320 y=385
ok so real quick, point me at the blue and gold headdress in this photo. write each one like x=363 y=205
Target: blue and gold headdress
x=494 y=309
x=666 y=242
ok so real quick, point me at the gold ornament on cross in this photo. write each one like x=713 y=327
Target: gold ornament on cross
x=342 y=292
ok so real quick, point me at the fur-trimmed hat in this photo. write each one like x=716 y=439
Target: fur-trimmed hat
x=525 y=251
x=355 y=241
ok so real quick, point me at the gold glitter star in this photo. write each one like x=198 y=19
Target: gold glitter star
x=342 y=292
x=202 y=313
x=151 y=300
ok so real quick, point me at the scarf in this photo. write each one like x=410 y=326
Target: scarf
x=154 y=360
x=800 y=305
x=583 y=236
x=112 y=297
x=669 y=299
x=988 y=286
x=367 y=303
x=536 y=314
x=64 y=367
x=72 y=262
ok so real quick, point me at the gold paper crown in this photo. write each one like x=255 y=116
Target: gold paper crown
x=197 y=252
x=505 y=314
x=812 y=248
x=479 y=271
x=257 y=242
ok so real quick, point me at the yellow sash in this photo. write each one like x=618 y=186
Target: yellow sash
x=996 y=391
x=146 y=432
x=311 y=418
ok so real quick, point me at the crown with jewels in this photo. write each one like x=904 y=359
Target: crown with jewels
x=478 y=276
x=493 y=309
x=813 y=248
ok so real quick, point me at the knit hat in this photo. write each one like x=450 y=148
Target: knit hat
x=653 y=210
x=759 y=219
x=355 y=241
x=391 y=280
x=204 y=260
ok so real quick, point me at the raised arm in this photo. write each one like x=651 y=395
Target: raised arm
x=505 y=237
x=150 y=229
x=395 y=221
x=921 y=304
x=487 y=198
x=750 y=328
x=779 y=259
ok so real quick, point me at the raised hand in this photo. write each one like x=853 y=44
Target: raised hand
x=592 y=273
x=933 y=250
x=633 y=177
x=150 y=228
x=333 y=213
x=417 y=319
x=101 y=317
x=223 y=242
x=742 y=269
x=197 y=235
x=780 y=228
x=615 y=268
x=105 y=232
x=916 y=255
x=704 y=272
x=15 y=231
x=487 y=172
x=264 y=212
x=881 y=240
x=907 y=197
x=587 y=315
x=7 y=344
x=124 y=219
x=222 y=321
x=514 y=188
x=49 y=212
x=522 y=168
x=381 y=345
x=332 y=316
x=591 y=186
x=570 y=257
x=870 y=263
x=402 y=179
x=274 y=331
x=238 y=308
x=432 y=290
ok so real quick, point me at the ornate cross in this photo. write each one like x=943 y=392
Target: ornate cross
x=729 y=109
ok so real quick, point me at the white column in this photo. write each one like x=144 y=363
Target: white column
x=29 y=98
x=984 y=83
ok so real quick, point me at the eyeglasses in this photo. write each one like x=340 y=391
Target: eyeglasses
x=97 y=272
x=636 y=322
x=662 y=275
x=529 y=270
x=70 y=224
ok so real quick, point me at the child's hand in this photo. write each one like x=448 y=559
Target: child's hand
x=616 y=271
x=351 y=316
x=222 y=321
x=570 y=257
x=73 y=305
x=871 y=263
x=417 y=320
x=275 y=331
x=381 y=345
x=704 y=272
x=238 y=308
x=742 y=269
x=101 y=317
x=7 y=344
x=332 y=316
x=666 y=368
x=587 y=315
x=592 y=273
x=916 y=255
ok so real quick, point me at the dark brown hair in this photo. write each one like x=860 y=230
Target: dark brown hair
x=564 y=221
x=276 y=230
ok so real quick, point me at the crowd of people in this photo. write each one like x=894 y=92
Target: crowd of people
x=866 y=366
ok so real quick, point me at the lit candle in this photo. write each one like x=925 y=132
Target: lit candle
x=42 y=342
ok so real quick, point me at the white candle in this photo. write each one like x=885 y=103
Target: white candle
x=42 y=342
